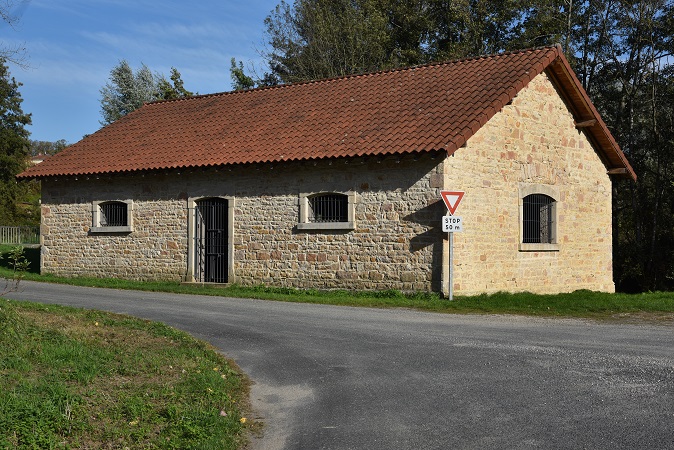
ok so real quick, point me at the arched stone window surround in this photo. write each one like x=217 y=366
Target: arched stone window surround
x=526 y=189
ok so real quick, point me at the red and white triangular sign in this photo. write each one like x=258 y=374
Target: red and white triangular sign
x=452 y=199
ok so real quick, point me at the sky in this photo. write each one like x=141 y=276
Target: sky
x=71 y=46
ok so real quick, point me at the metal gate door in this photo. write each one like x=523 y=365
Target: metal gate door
x=211 y=241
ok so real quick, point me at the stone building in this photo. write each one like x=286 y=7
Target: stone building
x=336 y=184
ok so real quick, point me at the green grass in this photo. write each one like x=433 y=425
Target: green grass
x=652 y=306
x=72 y=378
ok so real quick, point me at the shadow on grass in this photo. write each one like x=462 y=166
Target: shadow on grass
x=32 y=255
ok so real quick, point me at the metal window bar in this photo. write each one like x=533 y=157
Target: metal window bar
x=329 y=208
x=538 y=219
x=113 y=214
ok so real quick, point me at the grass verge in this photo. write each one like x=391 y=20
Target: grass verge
x=72 y=378
x=652 y=306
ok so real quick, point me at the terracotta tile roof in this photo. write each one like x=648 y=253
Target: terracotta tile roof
x=419 y=109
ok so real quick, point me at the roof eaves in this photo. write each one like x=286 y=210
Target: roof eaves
x=36 y=174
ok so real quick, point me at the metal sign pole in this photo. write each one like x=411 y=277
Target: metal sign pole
x=451 y=265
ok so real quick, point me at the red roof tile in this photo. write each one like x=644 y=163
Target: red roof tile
x=424 y=108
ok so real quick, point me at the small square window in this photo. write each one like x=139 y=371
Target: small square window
x=327 y=211
x=112 y=217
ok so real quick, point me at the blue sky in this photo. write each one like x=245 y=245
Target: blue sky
x=73 y=44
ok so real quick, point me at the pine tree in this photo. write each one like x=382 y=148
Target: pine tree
x=126 y=91
x=169 y=90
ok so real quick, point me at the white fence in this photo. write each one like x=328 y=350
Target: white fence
x=19 y=235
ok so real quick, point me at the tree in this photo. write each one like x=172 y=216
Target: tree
x=171 y=90
x=546 y=22
x=47 y=147
x=14 y=145
x=128 y=90
x=407 y=27
x=240 y=81
x=464 y=28
x=315 y=39
x=18 y=264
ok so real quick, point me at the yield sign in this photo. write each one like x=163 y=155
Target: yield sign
x=452 y=199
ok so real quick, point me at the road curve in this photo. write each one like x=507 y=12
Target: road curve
x=358 y=378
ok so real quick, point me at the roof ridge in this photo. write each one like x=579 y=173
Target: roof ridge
x=361 y=74
x=187 y=98
x=428 y=64
x=486 y=56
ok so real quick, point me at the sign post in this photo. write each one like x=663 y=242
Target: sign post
x=451 y=224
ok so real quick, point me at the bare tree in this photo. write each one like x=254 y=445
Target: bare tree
x=10 y=15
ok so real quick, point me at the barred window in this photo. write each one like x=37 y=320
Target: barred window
x=113 y=214
x=327 y=212
x=538 y=219
x=328 y=208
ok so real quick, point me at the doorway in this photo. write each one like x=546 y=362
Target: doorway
x=211 y=241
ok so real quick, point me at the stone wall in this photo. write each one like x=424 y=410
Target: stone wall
x=532 y=141
x=393 y=244
x=154 y=250
x=396 y=243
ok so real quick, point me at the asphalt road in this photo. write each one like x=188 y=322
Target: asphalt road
x=350 y=378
